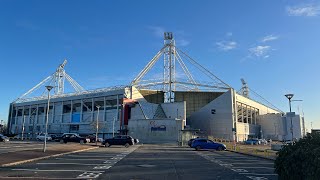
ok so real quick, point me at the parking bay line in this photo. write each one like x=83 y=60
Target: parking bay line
x=81 y=159
x=230 y=160
x=251 y=163
x=55 y=170
x=253 y=168
x=70 y=164
x=259 y=174
x=88 y=156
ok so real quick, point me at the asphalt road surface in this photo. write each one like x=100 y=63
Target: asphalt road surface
x=146 y=162
x=13 y=146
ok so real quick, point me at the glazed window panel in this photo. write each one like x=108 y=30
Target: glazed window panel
x=87 y=105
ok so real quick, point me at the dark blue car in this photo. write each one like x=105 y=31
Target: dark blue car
x=207 y=144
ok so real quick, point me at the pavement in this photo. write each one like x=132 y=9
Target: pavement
x=144 y=162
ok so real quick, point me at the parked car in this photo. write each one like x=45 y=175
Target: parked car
x=119 y=140
x=93 y=138
x=191 y=140
x=18 y=136
x=41 y=137
x=73 y=137
x=252 y=141
x=136 y=141
x=3 y=138
x=201 y=143
x=263 y=141
x=55 y=137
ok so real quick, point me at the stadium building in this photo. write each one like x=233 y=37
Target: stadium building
x=160 y=105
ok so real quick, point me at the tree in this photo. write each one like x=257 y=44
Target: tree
x=300 y=160
x=3 y=128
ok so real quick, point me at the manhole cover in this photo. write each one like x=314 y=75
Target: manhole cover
x=147 y=165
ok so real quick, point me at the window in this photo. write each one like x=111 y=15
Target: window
x=19 y=112
x=26 y=111
x=41 y=110
x=98 y=102
x=87 y=105
x=74 y=127
x=66 y=107
x=76 y=107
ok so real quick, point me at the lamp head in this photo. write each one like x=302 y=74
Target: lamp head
x=98 y=106
x=49 y=88
x=289 y=96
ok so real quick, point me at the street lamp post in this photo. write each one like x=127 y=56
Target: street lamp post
x=1 y=125
x=97 y=124
x=114 y=119
x=289 y=96
x=22 y=133
x=45 y=135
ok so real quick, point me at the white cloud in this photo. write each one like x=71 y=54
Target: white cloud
x=226 y=45
x=269 y=38
x=229 y=34
x=182 y=42
x=157 y=31
x=260 y=51
x=304 y=10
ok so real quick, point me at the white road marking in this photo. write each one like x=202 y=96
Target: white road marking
x=254 y=163
x=54 y=170
x=80 y=159
x=240 y=160
x=257 y=178
x=239 y=170
x=87 y=175
x=260 y=174
x=116 y=158
x=254 y=167
x=102 y=167
x=88 y=156
x=81 y=164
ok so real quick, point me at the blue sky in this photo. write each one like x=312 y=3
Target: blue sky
x=274 y=45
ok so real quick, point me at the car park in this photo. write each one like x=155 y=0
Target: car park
x=201 y=143
x=73 y=137
x=123 y=140
x=3 y=138
x=41 y=137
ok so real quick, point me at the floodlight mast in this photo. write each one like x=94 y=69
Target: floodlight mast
x=169 y=67
x=56 y=80
x=60 y=77
x=170 y=83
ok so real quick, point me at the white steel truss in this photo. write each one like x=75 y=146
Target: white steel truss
x=170 y=83
x=57 y=80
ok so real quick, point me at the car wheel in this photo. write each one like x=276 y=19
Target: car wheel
x=61 y=141
x=220 y=148
x=81 y=141
x=198 y=148
x=127 y=145
x=107 y=145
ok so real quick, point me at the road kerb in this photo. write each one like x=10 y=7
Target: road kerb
x=45 y=157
